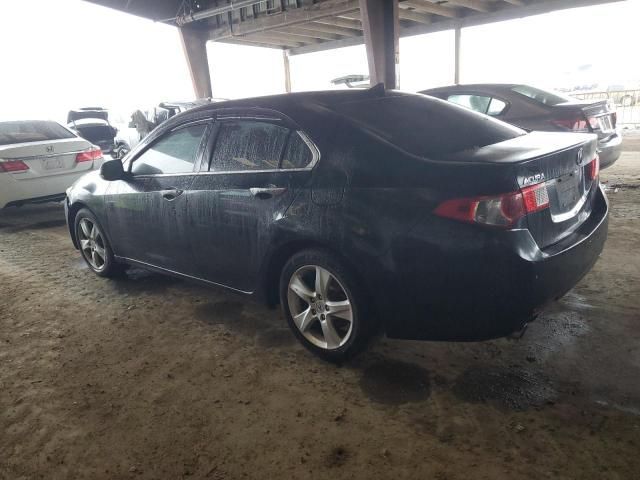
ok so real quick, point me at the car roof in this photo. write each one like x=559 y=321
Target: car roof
x=287 y=100
x=491 y=87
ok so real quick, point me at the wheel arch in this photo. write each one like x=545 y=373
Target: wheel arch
x=71 y=220
x=270 y=285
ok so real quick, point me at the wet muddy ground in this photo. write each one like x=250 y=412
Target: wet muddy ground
x=154 y=378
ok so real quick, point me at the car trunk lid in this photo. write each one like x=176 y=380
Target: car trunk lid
x=562 y=163
x=600 y=117
x=46 y=158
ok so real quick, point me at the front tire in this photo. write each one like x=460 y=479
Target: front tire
x=325 y=305
x=94 y=246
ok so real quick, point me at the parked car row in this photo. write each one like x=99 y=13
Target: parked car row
x=358 y=211
x=40 y=159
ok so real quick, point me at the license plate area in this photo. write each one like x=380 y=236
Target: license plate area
x=52 y=163
x=568 y=190
x=605 y=123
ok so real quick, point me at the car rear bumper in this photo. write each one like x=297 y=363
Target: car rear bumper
x=15 y=192
x=476 y=288
x=610 y=149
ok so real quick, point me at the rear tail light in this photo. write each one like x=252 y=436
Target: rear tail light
x=500 y=210
x=574 y=124
x=13 y=166
x=594 y=167
x=89 y=155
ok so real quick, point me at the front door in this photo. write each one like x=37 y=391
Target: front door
x=256 y=168
x=147 y=211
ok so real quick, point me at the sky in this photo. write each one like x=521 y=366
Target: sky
x=72 y=53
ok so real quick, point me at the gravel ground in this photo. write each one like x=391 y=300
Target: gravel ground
x=154 y=378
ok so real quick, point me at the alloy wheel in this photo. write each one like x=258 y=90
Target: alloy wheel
x=320 y=307
x=92 y=244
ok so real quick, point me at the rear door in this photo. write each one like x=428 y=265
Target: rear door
x=256 y=167
x=147 y=212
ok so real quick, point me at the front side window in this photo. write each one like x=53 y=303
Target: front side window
x=174 y=153
x=248 y=145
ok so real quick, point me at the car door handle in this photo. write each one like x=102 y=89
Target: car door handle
x=267 y=192
x=171 y=195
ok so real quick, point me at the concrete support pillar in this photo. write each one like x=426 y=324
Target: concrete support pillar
x=287 y=71
x=194 y=44
x=380 y=25
x=456 y=72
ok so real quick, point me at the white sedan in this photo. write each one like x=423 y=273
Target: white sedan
x=40 y=159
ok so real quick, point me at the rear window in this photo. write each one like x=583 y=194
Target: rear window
x=426 y=126
x=31 y=131
x=541 y=96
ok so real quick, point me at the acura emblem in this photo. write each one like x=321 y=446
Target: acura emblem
x=49 y=148
x=579 y=157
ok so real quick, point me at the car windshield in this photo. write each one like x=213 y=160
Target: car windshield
x=541 y=96
x=25 y=131
x=426 y=126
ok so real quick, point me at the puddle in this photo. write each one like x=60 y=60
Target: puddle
x=510 y=388
x=394 y=383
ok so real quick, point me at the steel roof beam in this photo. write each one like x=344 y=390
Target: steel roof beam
x=341 y=22
x=428 y=7
x=477 y=5
x=310 y=33
x=414 y=16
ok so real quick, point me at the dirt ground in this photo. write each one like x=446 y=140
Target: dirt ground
x=154 y=378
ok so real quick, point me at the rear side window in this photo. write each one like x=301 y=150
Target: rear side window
x=31 y=131
x=479 y=103
x=496 y=107
x=246 y=145
x=426 y=126
x=174 y=153
x=297 y=154
x=540 y=96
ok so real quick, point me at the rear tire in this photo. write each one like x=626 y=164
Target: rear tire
x=94 y=246
x=325 y=306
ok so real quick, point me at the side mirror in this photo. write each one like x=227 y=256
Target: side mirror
x=112 y=170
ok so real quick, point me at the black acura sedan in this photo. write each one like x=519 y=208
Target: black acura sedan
x=358 y=211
